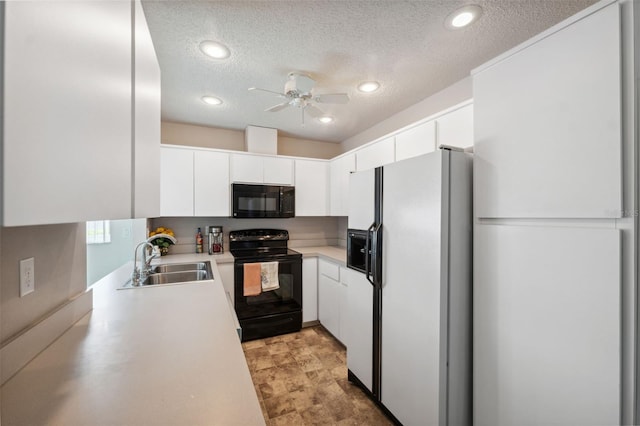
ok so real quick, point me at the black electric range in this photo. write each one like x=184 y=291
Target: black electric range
x=270 y=312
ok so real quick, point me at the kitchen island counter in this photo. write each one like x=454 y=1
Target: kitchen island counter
x=164 y=354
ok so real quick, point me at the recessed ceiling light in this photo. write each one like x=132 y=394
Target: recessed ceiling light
x=463 y=17
x=325 y=119
x=368 y=86
x=214 y=49
x=211 y=100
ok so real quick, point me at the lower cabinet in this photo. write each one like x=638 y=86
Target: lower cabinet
x=332 y=297
x=309 y=289
x=226 y=275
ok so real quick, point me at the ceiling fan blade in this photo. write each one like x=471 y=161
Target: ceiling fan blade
x=268 y=91
x=278 y=107
x=332 y=98
x=313 y=111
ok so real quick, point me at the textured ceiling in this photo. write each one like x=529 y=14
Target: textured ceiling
x=402 y=44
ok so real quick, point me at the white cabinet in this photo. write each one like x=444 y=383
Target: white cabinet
x=332 y=297
x=328 y=304
x=176 y=182
x=194 y=182
x=415 y=141
x=548 y=143
x=226 y=271
x=67 y=139
x=309 y=289
x=311 y=187
x=278 y=171
x=147 y=121
x=376 y=155
x=456 y=128
x=343 y=303
x=211 y=184
x=339 y=171
x=247 y=168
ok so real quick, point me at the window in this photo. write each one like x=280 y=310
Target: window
x=98 y=232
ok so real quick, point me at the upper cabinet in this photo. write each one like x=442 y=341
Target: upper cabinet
x=311 y=187
x=339 y=170
x=147 y=121
x=376 y=155
x=176 y=182
x=248 y=168
x=548 y=125
x=194 y=182
x=211 y=184
x=456 y=128
x=67 y=127
x=415 y=141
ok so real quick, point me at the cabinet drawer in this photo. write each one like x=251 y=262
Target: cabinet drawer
x=329 y=269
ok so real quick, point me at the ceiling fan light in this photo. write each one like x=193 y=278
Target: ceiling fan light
x=211 y=100
x=326 y=119
x=368 y=86
x=215 y=50
x=463 y=17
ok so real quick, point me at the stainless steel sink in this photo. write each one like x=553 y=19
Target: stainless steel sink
x=175 y=273
x=175 y=277
x=178 y=267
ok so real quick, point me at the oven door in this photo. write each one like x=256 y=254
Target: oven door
x=286 y=299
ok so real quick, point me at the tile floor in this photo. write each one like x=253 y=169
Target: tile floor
x=301 y=379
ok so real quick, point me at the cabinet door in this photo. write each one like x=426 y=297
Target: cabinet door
x=376 y=155
x=548 y=126
x=456 y=128
x=328 y=304
x=343 y=304
x=211 y=183
x=416 y=141
x=176 y=182
x=147 y=122
x=550 y=299
x=311 y=188
x=67 y=112
x=339 y=171
x=247 y=168
x=310 y=289
x=278 y=171
x=226 y=275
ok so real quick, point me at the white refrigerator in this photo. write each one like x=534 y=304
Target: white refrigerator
x=408 y=329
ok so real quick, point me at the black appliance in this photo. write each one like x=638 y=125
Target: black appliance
x=255 y=201
x=358 y=250
x=273 y=312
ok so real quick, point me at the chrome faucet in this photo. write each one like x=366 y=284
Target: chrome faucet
x=140 y=273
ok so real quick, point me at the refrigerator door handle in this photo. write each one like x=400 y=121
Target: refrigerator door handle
x=367 y=251
x=374 y=254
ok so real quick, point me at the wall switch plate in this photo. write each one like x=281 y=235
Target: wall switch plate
x=27 y=276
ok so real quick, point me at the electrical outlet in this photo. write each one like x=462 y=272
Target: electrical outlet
x=27 y=276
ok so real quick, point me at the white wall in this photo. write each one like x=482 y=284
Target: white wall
x=452 y=95
x=303 y=231
x=213 y=137
x=60 y=272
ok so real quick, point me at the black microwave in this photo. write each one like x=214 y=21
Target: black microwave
x=254 y=201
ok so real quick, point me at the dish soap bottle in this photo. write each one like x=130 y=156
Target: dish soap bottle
x=199 y=241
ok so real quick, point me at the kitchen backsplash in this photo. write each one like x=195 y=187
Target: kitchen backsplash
x=303 y=231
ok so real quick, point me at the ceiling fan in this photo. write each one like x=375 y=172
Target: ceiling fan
x=298 y=92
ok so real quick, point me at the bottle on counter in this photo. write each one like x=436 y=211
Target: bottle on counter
x=199 y=241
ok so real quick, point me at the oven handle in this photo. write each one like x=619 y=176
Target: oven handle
x=367 y=266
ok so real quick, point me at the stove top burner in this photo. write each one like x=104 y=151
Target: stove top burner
x=260 y=244
x=265 y=253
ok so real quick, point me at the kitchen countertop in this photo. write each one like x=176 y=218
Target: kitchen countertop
x=155 y=355
x=332 y=253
